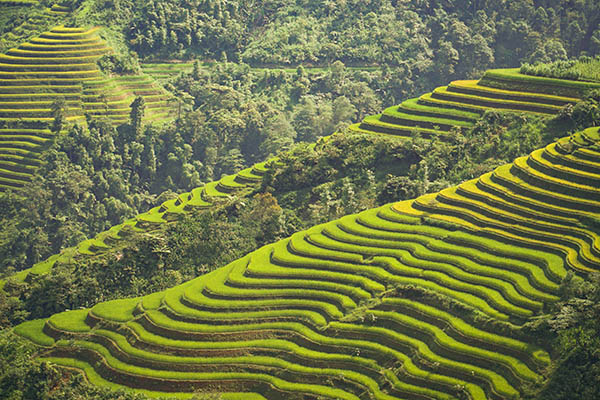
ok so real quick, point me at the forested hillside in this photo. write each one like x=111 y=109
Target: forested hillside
x=418 y=44
x=145 y=144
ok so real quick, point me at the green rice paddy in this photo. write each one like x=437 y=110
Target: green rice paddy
x=456 y=106
x=61 y=64
x=328 y=312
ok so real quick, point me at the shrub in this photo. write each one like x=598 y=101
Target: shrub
x=118 y=64
x=583 y=69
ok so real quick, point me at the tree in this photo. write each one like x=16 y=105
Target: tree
x=337 y=75
x=343 y=112
x=231 y=162
x=551 y=50
x=301 y=85
x=196 y=70
x=59 y=108
x=280 y=135
x=397 y=188
x=138 y=108
x=304 y=119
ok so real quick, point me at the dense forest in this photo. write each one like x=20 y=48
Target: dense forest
x=270 y=78
x=435 y=40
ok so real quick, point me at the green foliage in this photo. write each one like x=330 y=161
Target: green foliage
x=411 y=255
x=12 y=310
x=407 y=168
x=576 y=326
x=432 y=255
x=243 y=115
x=583 y=114
x=118 y=64
x=20 y=377
x=231 y=128
x=89 y=181
x=59 y=108
x=234 y=116
x=138 y=108
x=582 y=69
x=397 y=188
x=196 y=244
x=418 y=44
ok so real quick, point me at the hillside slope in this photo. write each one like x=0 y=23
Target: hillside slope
x=460 y=104
x=60 y=65
x=422 y=299
x=429 y=116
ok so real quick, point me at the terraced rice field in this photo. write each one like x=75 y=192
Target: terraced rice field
x=512 y=79
x=201 y=198
x=9 y=3
x=54 y=10
x=112 y=97
x=460 y=104
x=31 y=24
x=166 y=70
x=60 y=64
x=360 y=308
x=33 y=76
x=428 y=115
x=59 y=10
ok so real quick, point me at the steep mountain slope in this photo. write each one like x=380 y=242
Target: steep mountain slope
x=21 y=20
x=461 y=103
x=499 y=90
x=60 y=65
x=47 y=69
x=418 y=299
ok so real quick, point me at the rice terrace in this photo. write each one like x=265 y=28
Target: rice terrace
x=299 y=200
